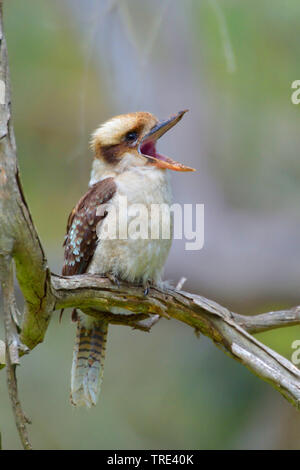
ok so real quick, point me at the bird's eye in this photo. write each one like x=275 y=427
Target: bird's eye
x=131 y=136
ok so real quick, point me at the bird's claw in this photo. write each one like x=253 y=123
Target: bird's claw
x=113 y=279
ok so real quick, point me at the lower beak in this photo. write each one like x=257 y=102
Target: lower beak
x=147 y=146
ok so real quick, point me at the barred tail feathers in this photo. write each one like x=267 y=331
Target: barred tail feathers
x=88 y=362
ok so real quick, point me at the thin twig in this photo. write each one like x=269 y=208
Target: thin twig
x=180 y=283
x=97 y=291
x=12 y=356
x=44 y=293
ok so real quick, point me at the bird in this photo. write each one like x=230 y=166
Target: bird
x=127 y=165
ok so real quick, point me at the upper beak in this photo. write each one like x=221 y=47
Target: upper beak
x=148 y=150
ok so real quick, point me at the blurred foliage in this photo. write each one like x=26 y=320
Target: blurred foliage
x=166 y=389
x=263 y=38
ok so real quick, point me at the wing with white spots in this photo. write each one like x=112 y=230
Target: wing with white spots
x=81 y=237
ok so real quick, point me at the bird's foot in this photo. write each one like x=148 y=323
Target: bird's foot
x=113 y=279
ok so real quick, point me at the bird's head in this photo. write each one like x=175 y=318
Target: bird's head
x=129 y=140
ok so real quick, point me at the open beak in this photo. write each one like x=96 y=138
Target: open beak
x=147 y=146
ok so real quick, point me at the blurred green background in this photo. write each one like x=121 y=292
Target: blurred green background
x=73 y=65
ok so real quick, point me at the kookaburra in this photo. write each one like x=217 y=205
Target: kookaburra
x=126 y=163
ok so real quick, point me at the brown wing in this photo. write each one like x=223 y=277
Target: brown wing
x=81 y=238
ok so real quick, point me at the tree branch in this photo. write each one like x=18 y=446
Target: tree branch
x=18 y=237
x=227 y=329
x=98 y=297
x=269 y=321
